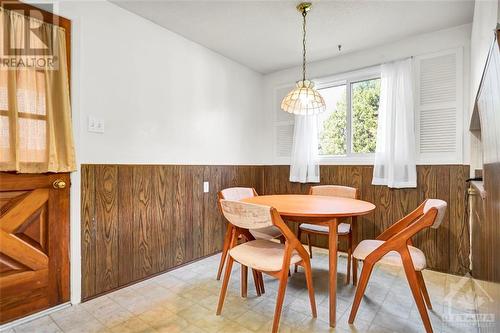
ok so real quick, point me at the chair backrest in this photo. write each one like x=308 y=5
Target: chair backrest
x=237 y=193
x=420 y=218
x=246 y=215
x=440 y=205
x=334 y=191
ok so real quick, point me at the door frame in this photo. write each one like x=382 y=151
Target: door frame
x=72 y=32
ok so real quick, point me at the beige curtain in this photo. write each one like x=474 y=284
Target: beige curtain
x=35 y=112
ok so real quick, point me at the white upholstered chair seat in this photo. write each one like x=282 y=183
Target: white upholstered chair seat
x=393 y=258
x=342 y=229
x=263 y=255
x=266 y=233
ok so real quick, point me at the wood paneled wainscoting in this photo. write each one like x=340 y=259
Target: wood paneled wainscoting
x=487 y=254
x=140 y=220
x=446 y=248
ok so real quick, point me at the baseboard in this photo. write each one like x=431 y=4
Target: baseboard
x=33 y=316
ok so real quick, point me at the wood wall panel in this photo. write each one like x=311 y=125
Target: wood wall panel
x=106 y=220
x=457 y=212
x=446 y=248
x=486 y=228
x=179 y=219
x=127 y=225
x=142 y=234
x=162 y=216
x=492 y=188
x=88 y=234
x=139 y=220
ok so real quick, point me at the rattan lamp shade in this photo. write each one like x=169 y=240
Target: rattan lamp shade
x=303 y=100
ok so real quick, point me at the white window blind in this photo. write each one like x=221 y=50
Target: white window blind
x=283 y=127
x=439 y=107
x=284 y=140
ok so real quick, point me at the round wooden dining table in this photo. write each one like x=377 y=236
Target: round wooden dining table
x=322 y=210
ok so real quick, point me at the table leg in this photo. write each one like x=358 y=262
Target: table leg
x=332 y=249
x=354 y=231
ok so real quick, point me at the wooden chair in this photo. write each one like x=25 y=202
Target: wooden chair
x=343 y=230
x=394 y=247
x=262 y=255
x=236 y=194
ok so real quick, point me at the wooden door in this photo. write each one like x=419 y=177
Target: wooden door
x=34 y=239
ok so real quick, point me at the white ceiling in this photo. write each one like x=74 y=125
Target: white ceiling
x=266 y=35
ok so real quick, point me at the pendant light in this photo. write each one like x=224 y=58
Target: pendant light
x=303 y=99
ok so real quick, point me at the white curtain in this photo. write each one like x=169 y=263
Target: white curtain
x=395 y=153
x=304 y=167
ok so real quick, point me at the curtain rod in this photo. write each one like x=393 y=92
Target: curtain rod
x=361 y=68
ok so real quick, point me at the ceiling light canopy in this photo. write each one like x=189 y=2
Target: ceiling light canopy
x=303 y=99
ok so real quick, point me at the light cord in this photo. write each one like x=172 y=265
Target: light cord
x=304 y=13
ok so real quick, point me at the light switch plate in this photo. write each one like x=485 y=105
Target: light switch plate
x=95 y=125
x=206 y=187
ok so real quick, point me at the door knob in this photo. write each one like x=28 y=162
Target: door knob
x=59 y=183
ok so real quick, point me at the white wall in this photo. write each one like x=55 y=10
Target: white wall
x=485 y=20
x=458 y=37
x=486 y=17
x=164 y=99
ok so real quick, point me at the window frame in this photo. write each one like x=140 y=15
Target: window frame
x=347 y=79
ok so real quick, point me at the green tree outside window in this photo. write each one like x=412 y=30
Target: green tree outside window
x=365 y=102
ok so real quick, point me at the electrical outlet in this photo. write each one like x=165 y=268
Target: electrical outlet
x=95 y=125
x=206 y=187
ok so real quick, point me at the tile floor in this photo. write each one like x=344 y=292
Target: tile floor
x=184 y=300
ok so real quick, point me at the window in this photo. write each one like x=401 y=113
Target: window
x=35 y=114
x=349 y=125
x=31 y=118
x=333 y=123
x=347 y=130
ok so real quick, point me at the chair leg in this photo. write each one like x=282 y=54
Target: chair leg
x=360 y=290
x=354 y=271
x=225 y=282
x=279 y=300
x=299 y=235
x=310 y=288
x=411 y=275
x=283 y=241
x=309 y=245
x=354 y=243
x=423 y=288
x=256 y=282
x=244 y=281
x=261 y=280
x=225 y=248
x=349 y=259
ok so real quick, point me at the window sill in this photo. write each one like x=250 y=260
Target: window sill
x=365 y=159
